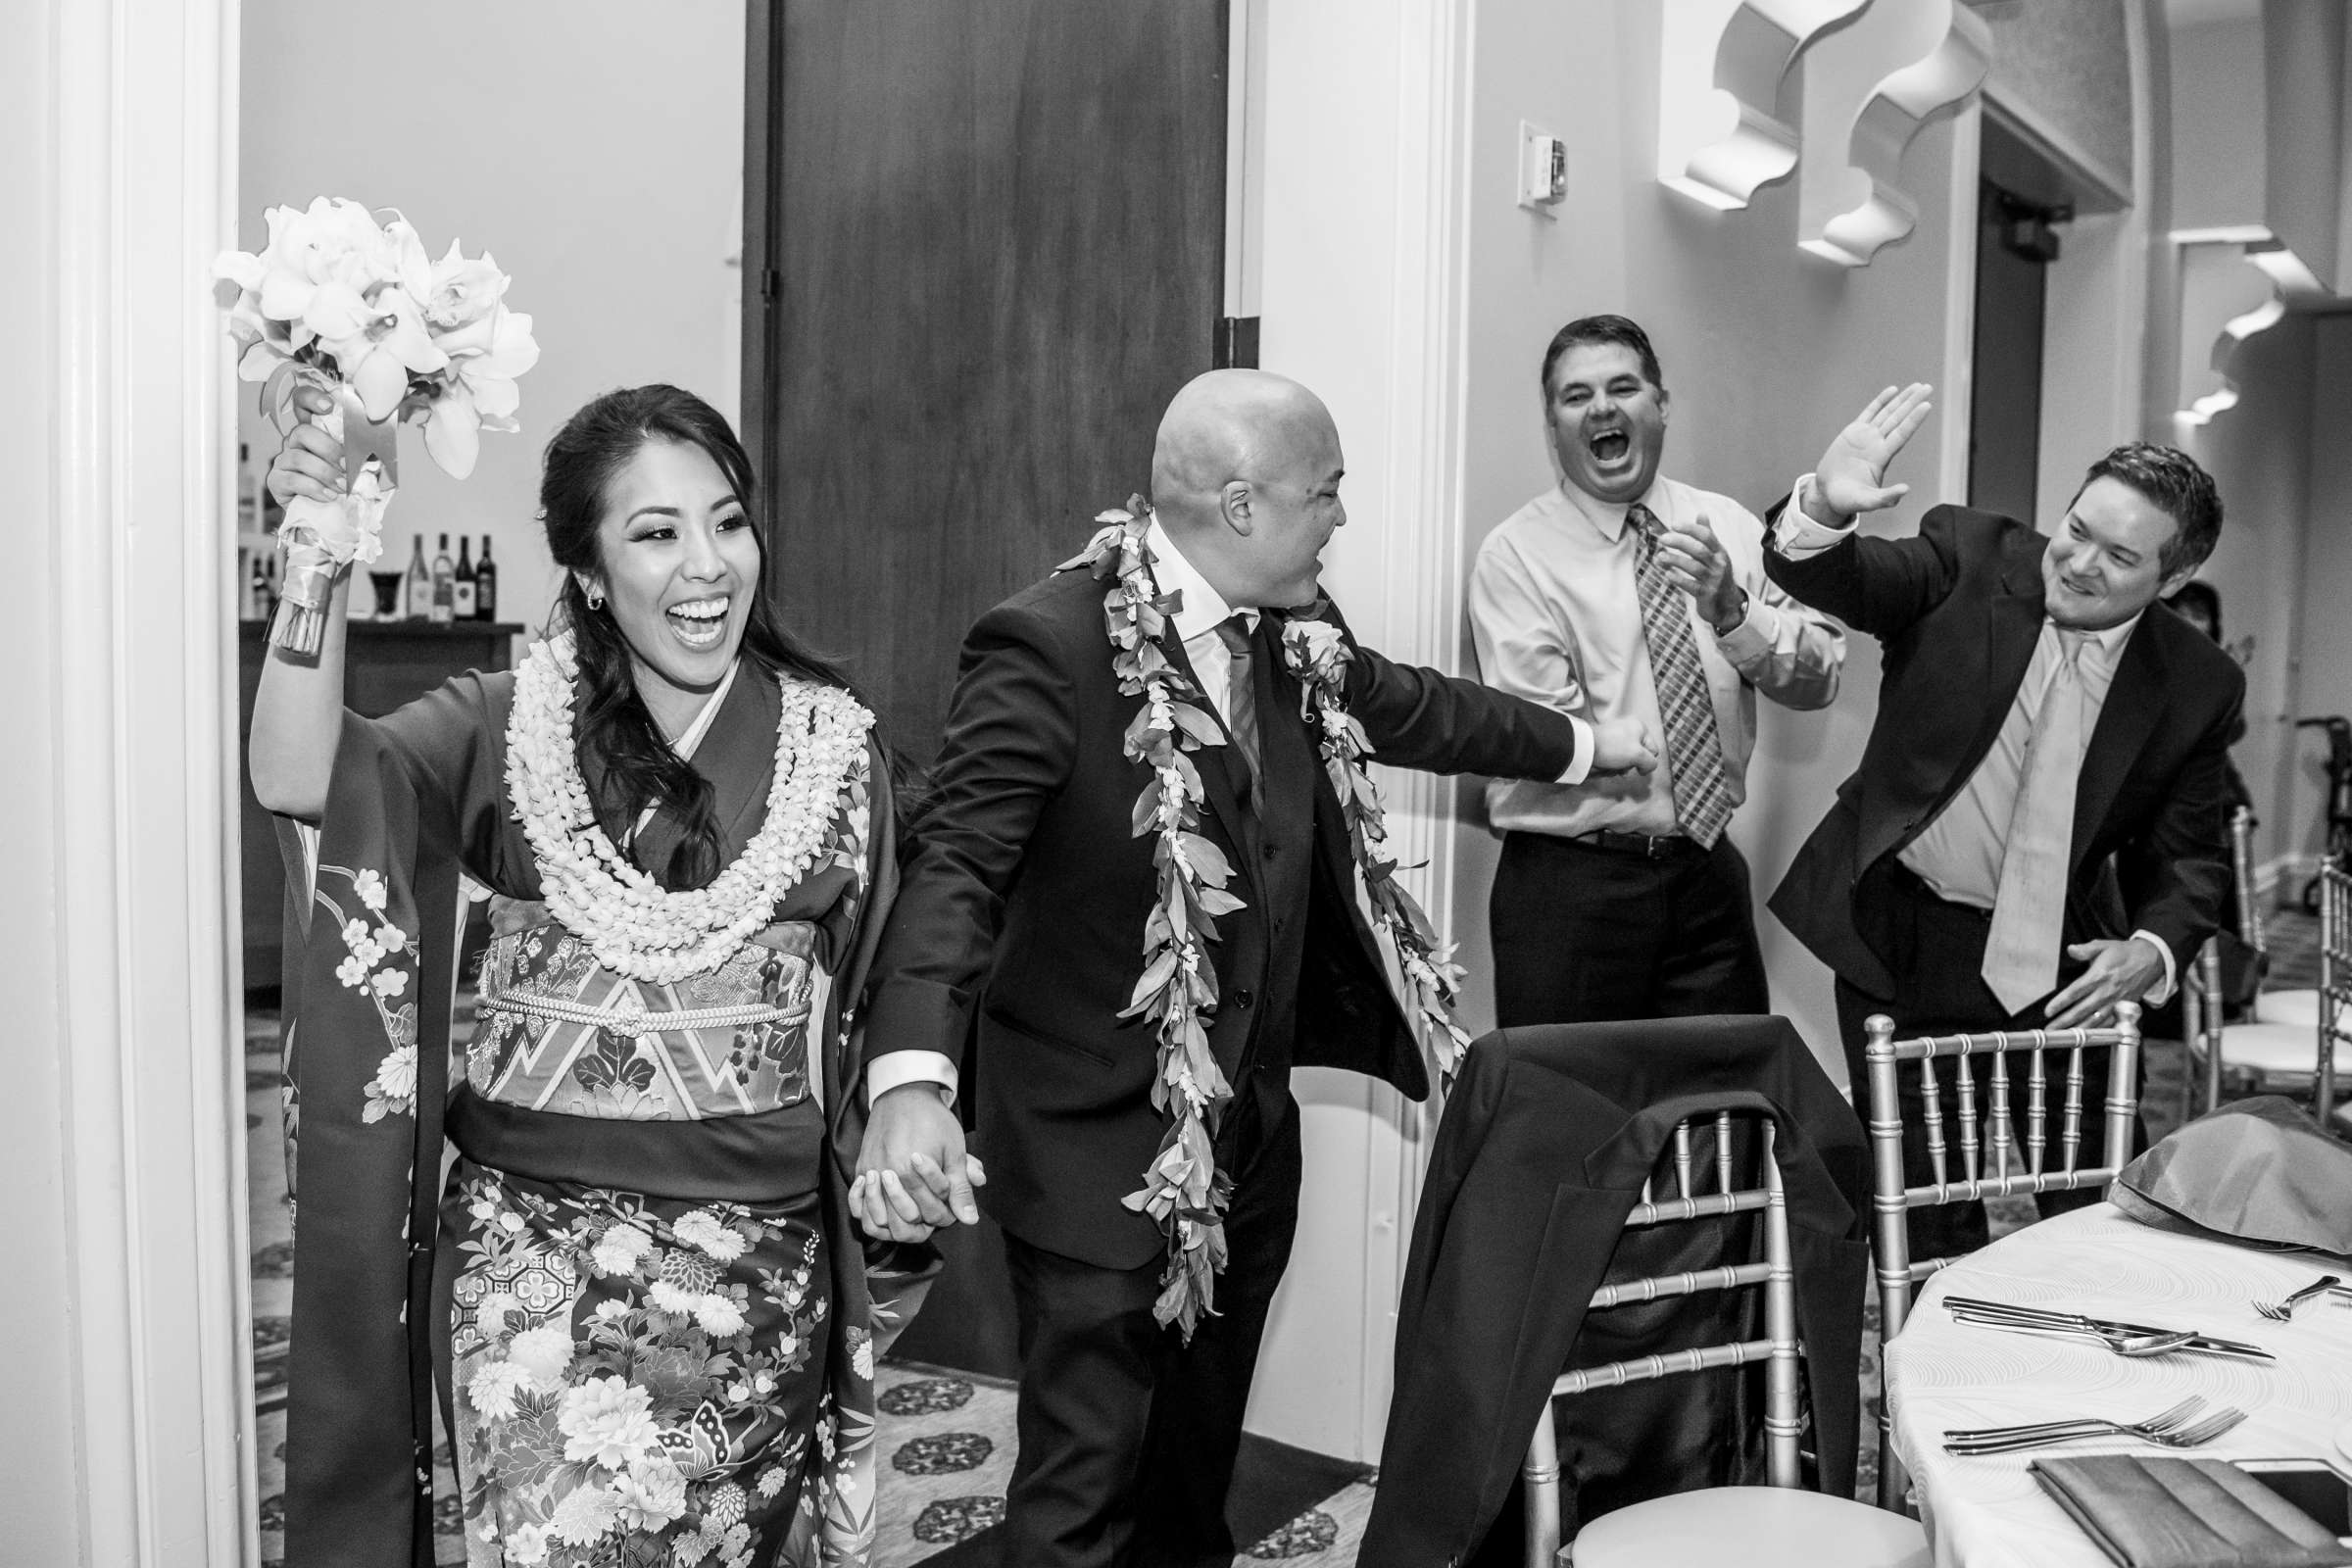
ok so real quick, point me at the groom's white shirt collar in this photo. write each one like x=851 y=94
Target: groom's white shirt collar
x=1204 y=609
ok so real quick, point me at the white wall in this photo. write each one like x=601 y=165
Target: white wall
x=2260 y=454
x=2322 y=674
x=595 y=147
x=2218 y=151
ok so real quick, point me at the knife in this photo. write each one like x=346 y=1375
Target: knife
x=1968 y=1309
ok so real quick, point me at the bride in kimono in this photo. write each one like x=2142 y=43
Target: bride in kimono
x=637 y=1291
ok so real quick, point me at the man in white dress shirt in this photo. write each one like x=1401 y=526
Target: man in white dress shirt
x=1620 y=594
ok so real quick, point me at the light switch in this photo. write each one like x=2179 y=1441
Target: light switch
x=1542 y=170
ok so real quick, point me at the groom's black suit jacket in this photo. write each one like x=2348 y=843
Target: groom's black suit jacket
x=1957 y=611
x=1017 y=937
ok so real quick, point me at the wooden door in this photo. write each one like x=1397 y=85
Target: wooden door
x=993 y=232
x=987 y=246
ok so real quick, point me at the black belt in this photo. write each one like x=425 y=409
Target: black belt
x=1666 y=847
x=1919 y=888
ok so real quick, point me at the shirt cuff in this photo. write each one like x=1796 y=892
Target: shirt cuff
x=2162 y=992
x=1746 y=640
x=1579 y=767
x=898 y=1068
x=1798 y=536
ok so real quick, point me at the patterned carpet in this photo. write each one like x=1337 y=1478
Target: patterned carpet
x=948 y=1437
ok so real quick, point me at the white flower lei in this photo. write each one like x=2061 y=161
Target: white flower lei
x=1183 y=1190
x=634 y=925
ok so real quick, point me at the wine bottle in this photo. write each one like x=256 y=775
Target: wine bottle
x=460 y=599
x=444 y=585
x=416 y=590
x=485 y=585
x=257 y=587
x=249 y=492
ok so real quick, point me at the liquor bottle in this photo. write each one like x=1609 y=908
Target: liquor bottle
x=417 y=592
x=257 y=587
x=249 y=492
x=444 y=585
x=460 y=599
x=485 y=585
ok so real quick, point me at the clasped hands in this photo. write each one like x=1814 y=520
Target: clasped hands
x=913 y=1175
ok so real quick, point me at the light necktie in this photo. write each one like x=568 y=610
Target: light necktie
x=2029 y=909
x=1702 y=791
x=1240 y=688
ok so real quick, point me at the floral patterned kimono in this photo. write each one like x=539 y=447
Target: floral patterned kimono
x=638 y=1289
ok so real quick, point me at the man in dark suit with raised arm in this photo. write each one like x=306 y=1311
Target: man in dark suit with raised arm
x=1013 y=953
x=2035 y=833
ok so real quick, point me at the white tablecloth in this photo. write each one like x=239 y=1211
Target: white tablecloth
x=1988 y=1512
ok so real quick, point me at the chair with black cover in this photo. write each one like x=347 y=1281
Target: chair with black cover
x=1758 y=1526
x=1984 y=1154
x=1584 y=1211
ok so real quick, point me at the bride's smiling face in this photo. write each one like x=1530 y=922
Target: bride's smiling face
x=678 y=566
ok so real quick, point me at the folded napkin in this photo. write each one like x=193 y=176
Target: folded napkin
x=2257 y=1172
x=2167 y=1511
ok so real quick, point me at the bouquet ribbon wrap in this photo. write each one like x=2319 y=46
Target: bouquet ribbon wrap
x=320 y=538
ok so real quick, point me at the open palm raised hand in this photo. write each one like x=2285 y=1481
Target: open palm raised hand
x=1848 y=479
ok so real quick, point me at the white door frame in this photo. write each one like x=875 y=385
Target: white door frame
x=140 y=186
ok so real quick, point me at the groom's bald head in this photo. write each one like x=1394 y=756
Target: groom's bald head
x=1245 y=477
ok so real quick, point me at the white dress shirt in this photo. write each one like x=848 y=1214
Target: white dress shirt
x=1555 y=610
x=1958 y=853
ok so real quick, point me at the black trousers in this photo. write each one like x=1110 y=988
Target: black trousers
x=1587 y=934
x=1128 y=1433
x=1937 y=951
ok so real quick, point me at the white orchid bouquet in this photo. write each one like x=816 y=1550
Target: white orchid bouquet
x=343 y=302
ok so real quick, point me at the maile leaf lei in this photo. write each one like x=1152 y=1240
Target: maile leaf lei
x=1317 y=656
x=1183 y=1190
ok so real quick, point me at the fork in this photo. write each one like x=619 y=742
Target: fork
x=2179 y=1416
x=2189 y=1437
x=2284 y=1311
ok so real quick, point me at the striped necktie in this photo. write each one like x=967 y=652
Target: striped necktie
x=1702 y=791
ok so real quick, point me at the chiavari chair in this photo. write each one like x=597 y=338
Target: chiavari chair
x=1982 y=1153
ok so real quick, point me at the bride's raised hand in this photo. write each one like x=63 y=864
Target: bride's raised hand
x=310 y=462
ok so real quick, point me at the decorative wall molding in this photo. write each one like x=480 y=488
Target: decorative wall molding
x=1847 y=215
x=1726 y=98
x=1422 y=454
x=2226 y=297
x=141 y=176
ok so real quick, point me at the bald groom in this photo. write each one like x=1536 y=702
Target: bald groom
x=1016 y=945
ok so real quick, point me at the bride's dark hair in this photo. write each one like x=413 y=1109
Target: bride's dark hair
x=617 y=733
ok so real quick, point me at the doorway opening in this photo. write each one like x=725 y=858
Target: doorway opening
x=2021 y=206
